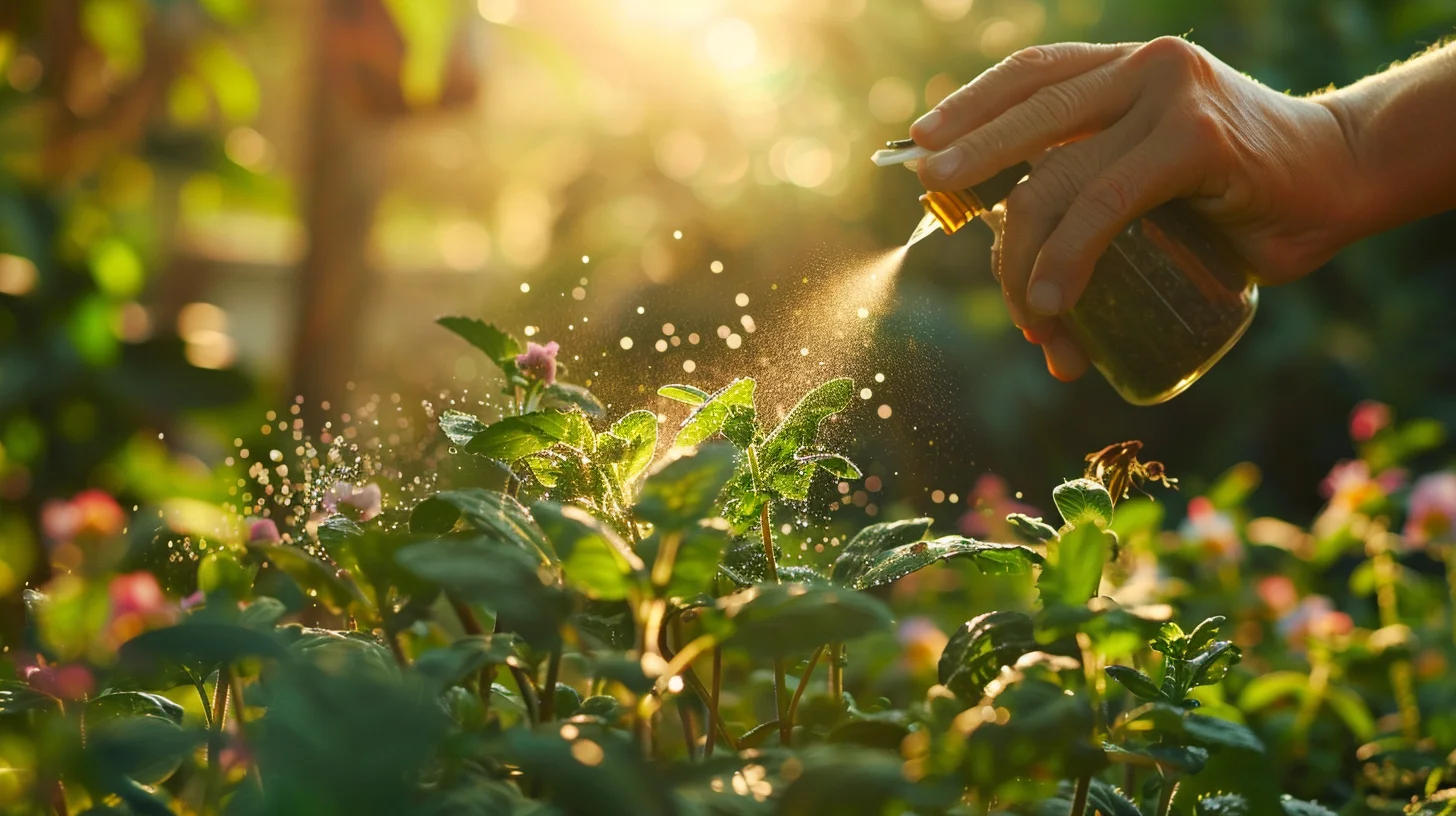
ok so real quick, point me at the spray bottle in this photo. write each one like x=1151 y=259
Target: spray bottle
x=1165 y=302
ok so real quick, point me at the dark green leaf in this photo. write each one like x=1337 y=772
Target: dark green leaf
x=262 y=613
x=595 y=560
x=977 y=650
x=501 y=576
x=17 y=697
x=198 y=644
x=118 y=704
x=801 y=574
x=448 y=666
x=332 y=586
x=1032 y=529
x=565 y=396
x=499 y=346
x=486 y=511
x=993 y=559
x=1135 y=681
x=782 y=620
x=1223 y=804
x=1213 y=663
x=460 y=427
x=1181 y=758
x=882 y=734
x=689 y=394
x=870 y=542
x=1083 y=501
x=1300 y=807
x=841 y=780
x=146 y=749
x=681 y=492
x=1204 y=633
x=617 y=783
x=744 y=562
x=1213 y=731
x=709 y=417
x=607 y=709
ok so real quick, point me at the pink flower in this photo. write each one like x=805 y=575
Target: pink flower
x=990 y=504
x=1431 y=514
x=923 y=642
x=64 y=682
x=1315 y=617
x=263 y=530
x=368 y=500
x=137 y=604
x=1350 y=486
x=1212 y=530
x=539 y=362
x=90 y=514
x=1278 y=592
x=1368 y=419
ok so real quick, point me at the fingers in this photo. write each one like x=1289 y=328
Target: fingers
x=1155 y=171
x=1008 y=83
x=1052 y=115
x=1065 y=359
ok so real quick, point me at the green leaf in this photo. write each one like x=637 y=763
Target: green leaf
x=977 y=650
x=1264 y=690
x=800 y=427
x=698 y=556
x=861 y=550
x=448 y=666
x=1223 y=733
x=1300 y=807
x=1213 y=664
x=17 y=697
x=1135 y=681
x=487 y=511
x=198 y=644
x=565 y=396
x=460 y=427
x=516 y=437
x=709 y=417
x=1109 y=801
x=779 y=620
x=1222 y=804
x=618 y=783
x=681 y=492
x=1137 y=516
x=1074 y=565
x=499 y=346
x=689 y=394
x=993 y=559
x=1350 y=707
x=1032 y=529
x=146 y=749
x=502 y=576
x=1181 y=758
x=1083 y=501
x=638 y=431
x=831 y=463
x=121 y=704
x=595 y=560
x=332 y=586
x=1204 y=633
x=1171 y=640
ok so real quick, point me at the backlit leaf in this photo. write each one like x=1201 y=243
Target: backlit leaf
x=709 y=417
x=871 y=541
x=682 y=491
x=689 y=394
x=487 y=511
x=781 y=620
x=994 y=559
x=565 y=396
x=499 y=346
x=460 y=427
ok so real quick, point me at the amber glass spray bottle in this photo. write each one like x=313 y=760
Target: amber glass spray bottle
x=1165 y=302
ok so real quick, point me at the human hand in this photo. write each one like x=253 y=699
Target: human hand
x=1112 y=131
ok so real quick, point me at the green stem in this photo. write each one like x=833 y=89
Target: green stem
x=804 y=683
x=1319 y=684
x=548 y=695
x=1401 y=680
x=1165 y=796
x=786 y=727
x=1451 y=585
x=836 y=672
x=214 y=741
x=712 y=698
x=1079 y=797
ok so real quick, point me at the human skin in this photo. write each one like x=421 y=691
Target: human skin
x=1112 y=131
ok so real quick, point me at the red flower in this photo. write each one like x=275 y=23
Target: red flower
x=90 y=514
x=539 y=362
x=1368 y=419
x=64 y=682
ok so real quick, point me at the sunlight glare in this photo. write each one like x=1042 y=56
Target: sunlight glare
x=732 y=44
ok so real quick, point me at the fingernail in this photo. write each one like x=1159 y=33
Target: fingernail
x=944 y=164
x=927 y=124
x=1045 y=297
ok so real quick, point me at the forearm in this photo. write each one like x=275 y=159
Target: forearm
x=1400 y=127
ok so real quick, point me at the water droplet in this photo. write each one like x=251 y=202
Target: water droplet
x=716 y=266
x=741 y=300
x=689 y=366
x=879 y=378
x=677 y=234
x=525 y=287
x=884 y=412
x=865 y=393
x=626 y=342
x=734 y=341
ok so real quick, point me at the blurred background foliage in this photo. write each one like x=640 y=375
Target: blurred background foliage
x=210 y=207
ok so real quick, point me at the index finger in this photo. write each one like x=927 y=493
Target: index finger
x=1010 y=82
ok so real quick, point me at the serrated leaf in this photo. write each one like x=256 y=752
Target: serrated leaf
x=800 y=426
x=993 y=559
x=487 y=511
x=977 y=650
x=460 y=427
x=689 y=394
x=563 y=396
x=1083 y=501
x=871 y=541
x=638 y=431
x=831 y=463
x=515 y=437
x=709 y=417
x=681 y=492
x=781 y=620
x=447 y=666
x=1135 y=681
x=499 y=346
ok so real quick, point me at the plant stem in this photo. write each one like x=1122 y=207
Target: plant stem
x=786 y=727
x=1401 y=681
x=548 y=696
x=1079 y=797
x=1319 y=683
x=1451 y=584
x=206 y=702
x=804 y=683
x=717 y=689
x=836 y=672
x=1165 y=796
x=472 y=626
x=214 y=741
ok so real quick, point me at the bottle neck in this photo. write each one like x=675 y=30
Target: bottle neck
x=952 y=209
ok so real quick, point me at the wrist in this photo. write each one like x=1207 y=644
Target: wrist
x=1361 y=188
